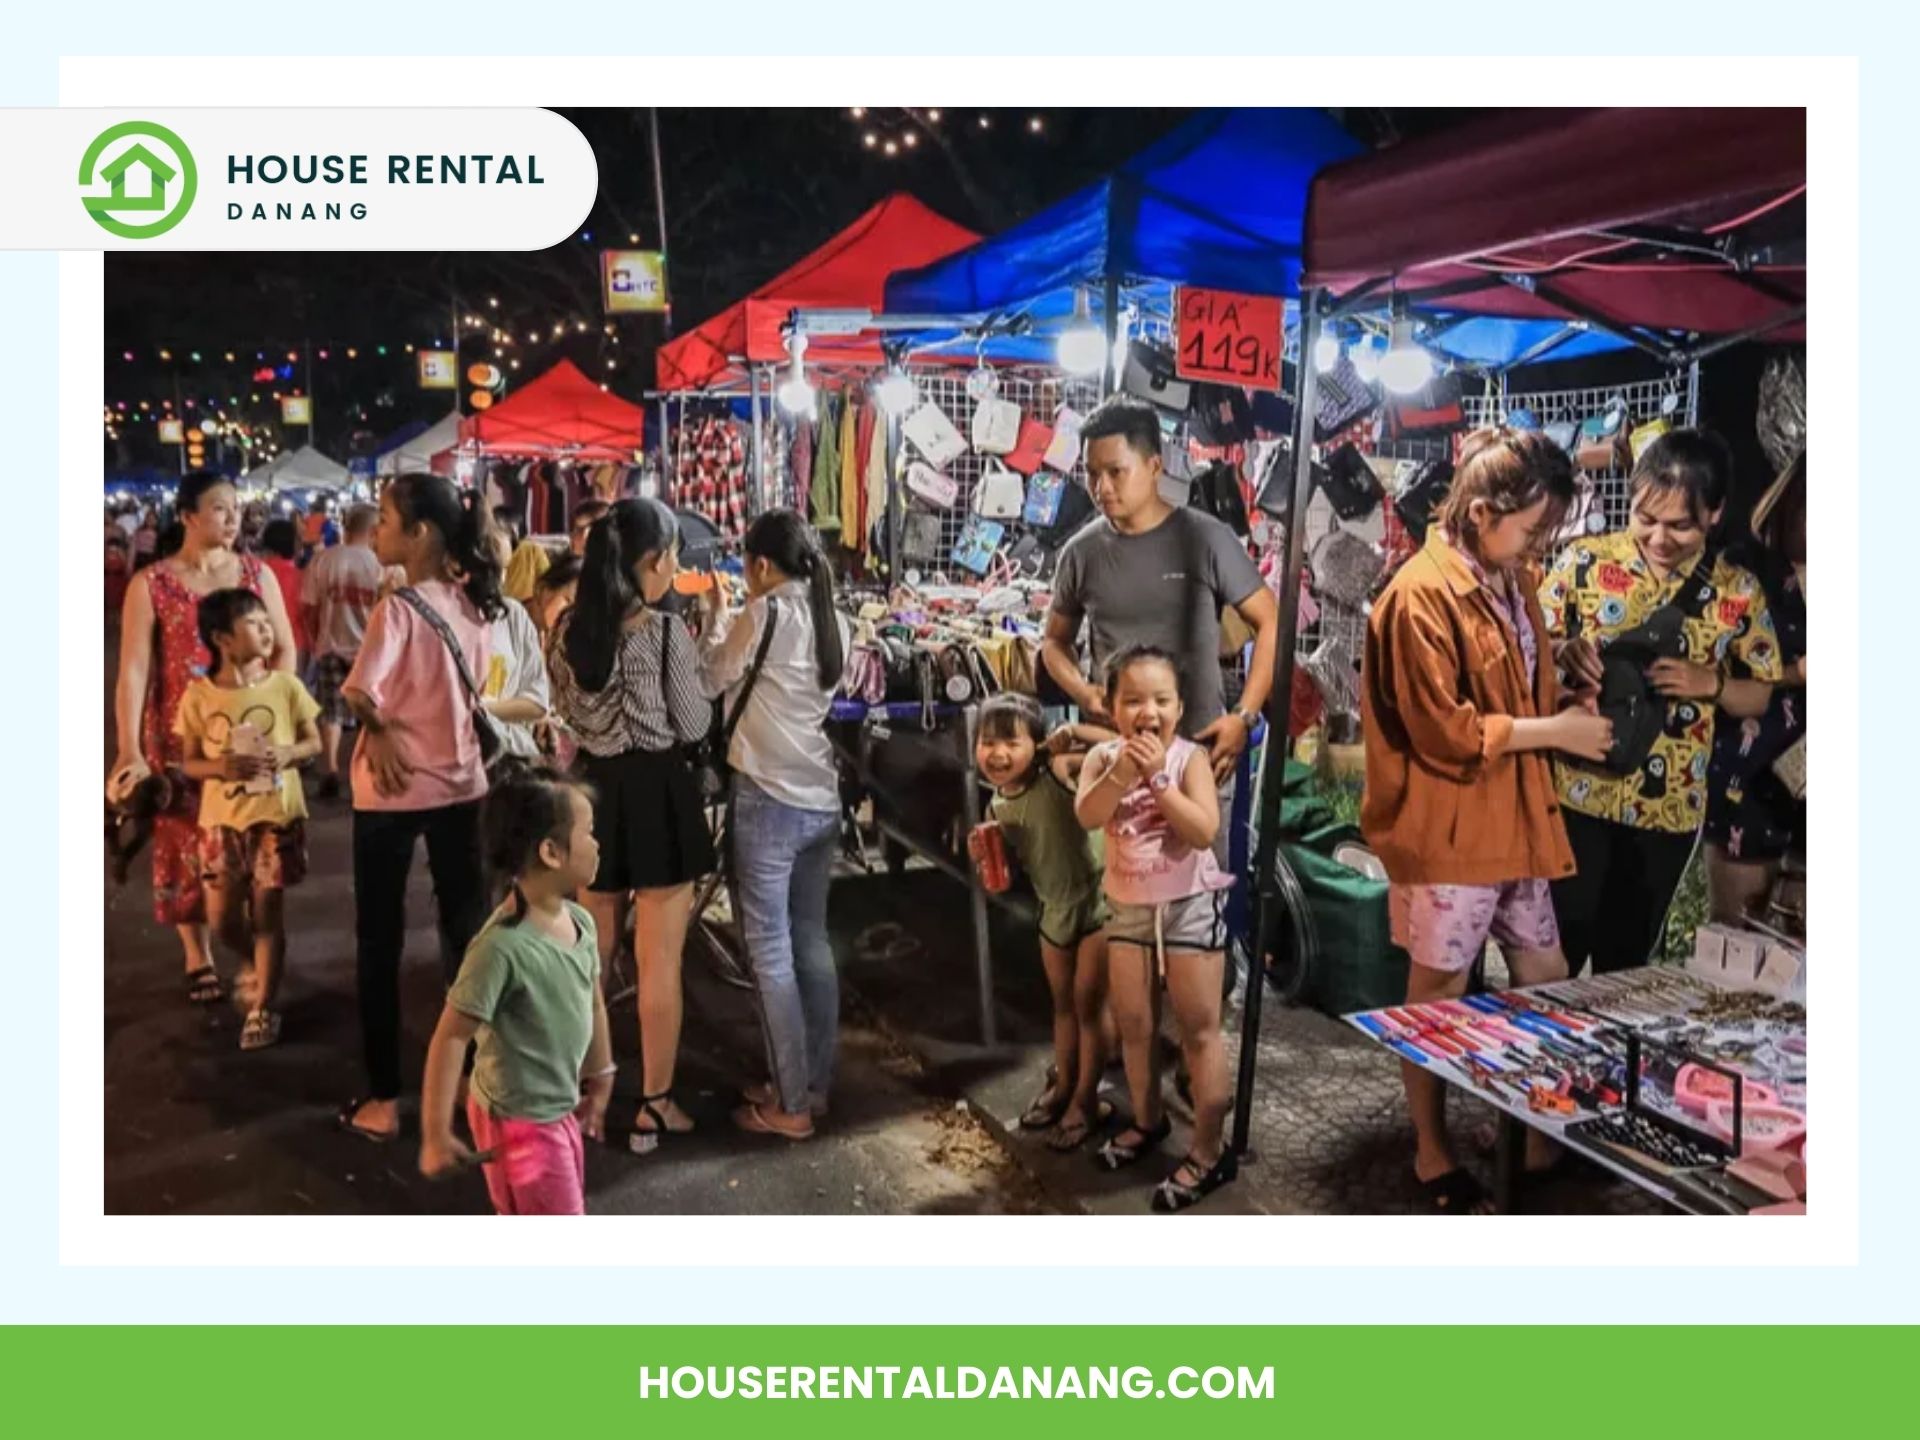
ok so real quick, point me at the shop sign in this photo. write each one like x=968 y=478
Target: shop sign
x=633 y=282
x=1227 y=338
x=170 y=432
x=438 y=370
x=296 y=410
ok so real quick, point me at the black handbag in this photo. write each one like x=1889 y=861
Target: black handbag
x=1420 y=498
x=1150 y=375
x=486 y=730
x=1433 y=409
x=708 y=757
x=1350 y=485
x=1639 y=715
x=1216 y=492
x=1220 y=415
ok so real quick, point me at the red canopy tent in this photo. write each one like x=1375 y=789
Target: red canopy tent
x=1687 y=220
x=561 y=413
x=850 y=271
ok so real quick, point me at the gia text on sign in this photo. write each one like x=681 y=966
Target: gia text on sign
x=1228 y=338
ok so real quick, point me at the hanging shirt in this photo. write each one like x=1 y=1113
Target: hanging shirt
x=849 y=475
x=825 y=500
x=873 y=534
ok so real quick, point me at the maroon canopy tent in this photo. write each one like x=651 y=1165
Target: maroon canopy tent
x=1658 y=226
x=1634 y=220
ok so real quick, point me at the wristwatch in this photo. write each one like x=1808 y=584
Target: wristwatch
x=1160 y=782
x=1248 y=718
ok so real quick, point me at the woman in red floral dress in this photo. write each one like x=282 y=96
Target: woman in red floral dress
x=160 y=653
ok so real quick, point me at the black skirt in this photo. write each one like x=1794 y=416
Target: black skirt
x=648 y=820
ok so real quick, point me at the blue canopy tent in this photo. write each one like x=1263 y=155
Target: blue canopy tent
x=1221 y=202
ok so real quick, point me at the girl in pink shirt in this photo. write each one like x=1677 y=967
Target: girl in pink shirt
x=417 y=771
x=1154 y=794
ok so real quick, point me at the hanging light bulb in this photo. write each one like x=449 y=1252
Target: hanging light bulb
x=1326 y=351
x=897 y=392
x=1405 y=367
x=795 y=394
x=1083 y=345
x=1365 y=354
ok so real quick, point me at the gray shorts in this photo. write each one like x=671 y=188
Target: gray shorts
x=1198 y=922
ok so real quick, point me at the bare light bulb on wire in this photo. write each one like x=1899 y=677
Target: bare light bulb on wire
x=1083 y=345
x=1405 y=367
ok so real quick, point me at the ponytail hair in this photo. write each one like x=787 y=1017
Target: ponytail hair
x=465 y=528
x=629 y=532
x=784 y=540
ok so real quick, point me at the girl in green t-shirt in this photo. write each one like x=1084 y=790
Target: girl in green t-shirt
x=1034 y=776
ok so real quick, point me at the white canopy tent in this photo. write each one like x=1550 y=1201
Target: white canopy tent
x=302 y=469
x=418 y=453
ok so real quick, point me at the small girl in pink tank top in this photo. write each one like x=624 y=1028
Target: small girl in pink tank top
x=1153 y=793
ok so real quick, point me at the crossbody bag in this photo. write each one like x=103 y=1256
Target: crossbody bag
x=709 y=757
x=486 y=730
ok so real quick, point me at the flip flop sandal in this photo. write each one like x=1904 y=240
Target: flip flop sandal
x=1067 y=1137
x=344 y=1119
x=1117 y=1154
x=262 y=1029
x=1174 y=1195
x=204 y=986
x=1041 y=1115
x=753 y=1120
x=1454 y=1193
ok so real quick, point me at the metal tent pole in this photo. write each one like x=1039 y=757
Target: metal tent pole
x=894 y=520
x=756 y=501
x=1273 y=764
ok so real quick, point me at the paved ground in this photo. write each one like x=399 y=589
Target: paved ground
x=922 y=1118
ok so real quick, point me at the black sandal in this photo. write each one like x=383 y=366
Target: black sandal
x=1454 y=1193
x=1117 y=1154
x=645 y=1142
x=1173 y=1195
x=347 y=1123
x=204 y=986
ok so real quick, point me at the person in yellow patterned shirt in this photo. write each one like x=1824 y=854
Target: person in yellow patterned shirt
x=1633 y=834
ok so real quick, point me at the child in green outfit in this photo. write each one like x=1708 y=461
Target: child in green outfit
x=1034 y=777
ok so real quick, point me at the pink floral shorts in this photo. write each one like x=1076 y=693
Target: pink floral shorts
x=1446 y=927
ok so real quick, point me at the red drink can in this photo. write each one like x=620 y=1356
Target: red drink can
x=988 y=847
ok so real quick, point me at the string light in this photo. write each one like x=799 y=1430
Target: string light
x=870 y=140
x=891 y=148
x=933 y=116
x=1035 y=125
x=910 y=139
x=166 y=355
x=859 y=112
x=986 y=123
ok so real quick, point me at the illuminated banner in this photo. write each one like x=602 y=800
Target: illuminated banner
x=438 y=370
x=296 y=410
x=633 y=282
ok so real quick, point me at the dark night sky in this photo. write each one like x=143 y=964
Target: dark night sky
x=748 y=192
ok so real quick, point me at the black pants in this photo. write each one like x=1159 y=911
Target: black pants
x=1613 y=909
x=383 y=843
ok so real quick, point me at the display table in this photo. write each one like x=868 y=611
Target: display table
x=1693 y=1091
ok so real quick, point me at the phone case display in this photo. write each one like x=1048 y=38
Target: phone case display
x=1659 y=1074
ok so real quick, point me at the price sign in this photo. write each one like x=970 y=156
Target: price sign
x=1228 y=338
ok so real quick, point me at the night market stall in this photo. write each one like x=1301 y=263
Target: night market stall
x=1678 y=234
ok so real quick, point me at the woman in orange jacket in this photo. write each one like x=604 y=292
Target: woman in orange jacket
x=1460 y=707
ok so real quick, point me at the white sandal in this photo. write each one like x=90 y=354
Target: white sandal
x=261 y=1030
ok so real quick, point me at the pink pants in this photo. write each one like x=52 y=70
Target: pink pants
x=537 y=1169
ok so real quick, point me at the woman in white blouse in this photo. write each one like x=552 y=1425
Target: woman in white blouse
x=782 y=656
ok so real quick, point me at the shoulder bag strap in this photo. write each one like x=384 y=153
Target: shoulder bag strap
x=1694 y=594
x=732 y=722
x=445 y=631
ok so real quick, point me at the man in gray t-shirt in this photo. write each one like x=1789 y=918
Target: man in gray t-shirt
x=1146 y=573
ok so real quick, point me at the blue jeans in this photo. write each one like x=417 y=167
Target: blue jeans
x=783 y=861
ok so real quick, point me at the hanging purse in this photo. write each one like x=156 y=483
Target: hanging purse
x=1030 y=447
x=933 y=435
x=999 y=494
x=955 y=680
x=996 y=426
x=1418 y=501
x=1216 y=491
x=978 y=543
x=1644 y=435
x=1340 y=399
x=937 y=489
x=1434 y=408
x=1273 y=492
x=1063 y=450
x=1603 y=445
x=1043 y=498
x=1220 y=415
x=920 y=536
x=1149 y=375
x=1349 y=483
x=1345 y=567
